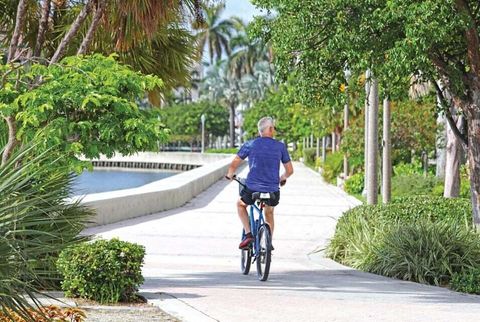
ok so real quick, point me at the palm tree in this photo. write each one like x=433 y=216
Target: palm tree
x=219 y=86
x=147 y=34
x=214 y=34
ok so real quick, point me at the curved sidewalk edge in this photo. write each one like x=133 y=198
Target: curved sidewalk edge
x=169 y=193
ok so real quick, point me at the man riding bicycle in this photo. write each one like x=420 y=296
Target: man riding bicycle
x=264 y=156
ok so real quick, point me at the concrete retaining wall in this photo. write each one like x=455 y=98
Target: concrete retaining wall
x=169 y=193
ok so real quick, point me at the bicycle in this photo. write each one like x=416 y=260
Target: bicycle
x=260 y=251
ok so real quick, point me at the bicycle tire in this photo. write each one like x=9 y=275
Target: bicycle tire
x=246 y=260
x=264 y=255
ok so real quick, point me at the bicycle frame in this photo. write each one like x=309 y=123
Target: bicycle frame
x=255 y=224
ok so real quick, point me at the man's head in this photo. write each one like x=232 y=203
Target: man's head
x=266 y=126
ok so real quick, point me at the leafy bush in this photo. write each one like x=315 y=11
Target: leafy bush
x=456 y=211
x=467 y=281
x=354 y=184
x=228 y=150
x=365 y=232
x=415 y=167
x=106 y=271
x=413 y=184
x=309 y=156
x=424 y=251
x=333 y=166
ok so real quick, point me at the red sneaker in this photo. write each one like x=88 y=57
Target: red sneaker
x=246 y=241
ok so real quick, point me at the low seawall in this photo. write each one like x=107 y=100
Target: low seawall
x=169 y=193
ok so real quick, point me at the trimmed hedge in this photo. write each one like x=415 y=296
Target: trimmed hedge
x=107 y=271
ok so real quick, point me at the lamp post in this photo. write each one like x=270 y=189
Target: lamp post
x=202 y=118
x=345 y=120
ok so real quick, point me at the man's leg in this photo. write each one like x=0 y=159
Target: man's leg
x=269 y=217
x=243 y=215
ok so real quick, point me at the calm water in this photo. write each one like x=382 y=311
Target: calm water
x=101 y=180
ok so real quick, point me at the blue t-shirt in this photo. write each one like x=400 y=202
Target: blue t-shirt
x=264 y=156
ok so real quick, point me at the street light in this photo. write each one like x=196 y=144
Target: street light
x=347 y=74
x=202 y=118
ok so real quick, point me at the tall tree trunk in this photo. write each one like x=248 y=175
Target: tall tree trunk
x=324 y=149
x=232 y=125
x=366 y=111
x=345 y=126
x=452 y=162
x=101 y=4
x=372 y=184
x=17 y=31
x=12 y=140
x=473 y=114
x=386 y=154
x=62 y=47
x=12 y=52
x=42 y=28
x=334 y=141
x=440 y=145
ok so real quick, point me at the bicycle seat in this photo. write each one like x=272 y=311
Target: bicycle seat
x=262 y=196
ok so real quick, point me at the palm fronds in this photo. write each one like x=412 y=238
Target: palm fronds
x=36 y=223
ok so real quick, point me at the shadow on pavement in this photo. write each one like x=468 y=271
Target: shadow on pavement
x=330 y=282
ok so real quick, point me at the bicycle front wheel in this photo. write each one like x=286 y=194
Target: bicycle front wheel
x=264 y=255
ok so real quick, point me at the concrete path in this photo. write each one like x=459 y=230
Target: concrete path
x=192 y=267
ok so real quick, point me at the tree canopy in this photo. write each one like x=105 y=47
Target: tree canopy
x=87 y=105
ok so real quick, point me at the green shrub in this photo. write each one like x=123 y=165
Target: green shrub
x=413 y=184
x=362 y=231
x=467 y=281
x=333 y=166
x=106 y=271
x=415 y=167
x=424 y=251
x=354 y=184
x=309 y=156
x=228 y=150
x=456 y=211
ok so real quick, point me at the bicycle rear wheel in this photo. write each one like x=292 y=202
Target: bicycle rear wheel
x=264 y=255
x=246 y=260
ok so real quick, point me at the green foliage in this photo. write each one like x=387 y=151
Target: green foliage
x=424 y=252
x=309 y=156
x=84 y=105
x=354 y=184
x=413 y=128
x=332 y=167
x=467 y=281
x=107 y=271
x=229 y=150
x=36 y=223
x=407 y=169
x=414 y=184
x=367 y=235
x=184 y=120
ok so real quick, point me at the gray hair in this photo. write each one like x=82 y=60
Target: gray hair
x=264 y=123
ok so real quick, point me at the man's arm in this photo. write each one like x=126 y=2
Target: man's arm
x=233 y=166
x=288 y=171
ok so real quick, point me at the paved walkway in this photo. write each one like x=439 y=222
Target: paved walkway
x=192 y=266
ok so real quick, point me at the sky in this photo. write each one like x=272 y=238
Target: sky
x=241 y=8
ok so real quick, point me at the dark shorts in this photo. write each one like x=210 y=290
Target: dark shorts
x=246 y=196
